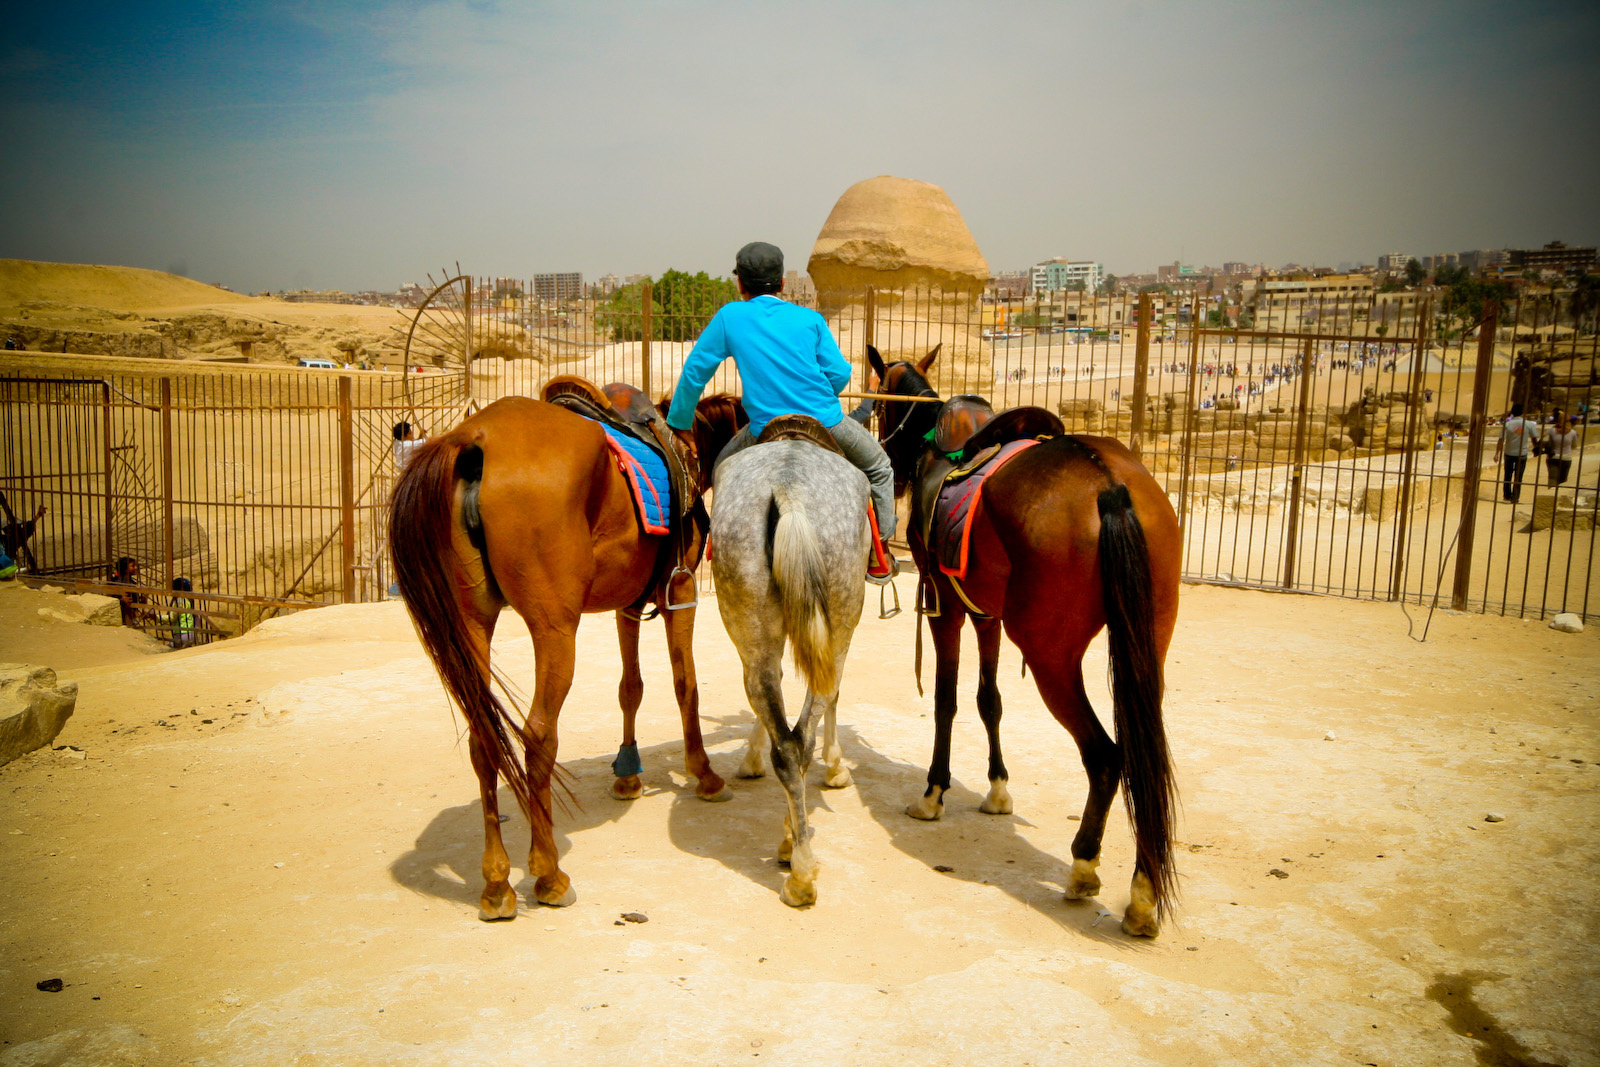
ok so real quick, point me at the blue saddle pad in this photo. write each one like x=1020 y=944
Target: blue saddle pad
x=647 y=475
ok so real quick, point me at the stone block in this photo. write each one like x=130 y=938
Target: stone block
x=98 y=610
x=33 y=708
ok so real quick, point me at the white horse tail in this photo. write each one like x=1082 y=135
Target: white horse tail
x=799 y=572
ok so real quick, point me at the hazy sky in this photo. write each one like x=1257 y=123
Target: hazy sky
x=358 y=145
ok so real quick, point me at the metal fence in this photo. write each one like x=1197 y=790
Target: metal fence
x=267 y=488
x=1319 y=440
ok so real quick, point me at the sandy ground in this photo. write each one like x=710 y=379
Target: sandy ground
x=267 y=853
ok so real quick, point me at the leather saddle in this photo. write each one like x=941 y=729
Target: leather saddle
x=627 y=409
x=799 y=428
x=959 y=418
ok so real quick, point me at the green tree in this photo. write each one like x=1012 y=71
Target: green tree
x=680 y=306
x=1108 y=285
x=1414 y=273
x=1583 y=303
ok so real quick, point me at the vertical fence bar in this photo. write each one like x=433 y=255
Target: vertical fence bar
x=347 y=488
x=1190 y=425
x=1477 y=430
x=869 y=334
x=1297 y=475
x=166 y=481
x=105 y=432
x=1408 y=461
x=1141 y=367
x=646 y=329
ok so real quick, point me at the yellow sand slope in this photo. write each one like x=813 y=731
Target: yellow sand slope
x=25 y=281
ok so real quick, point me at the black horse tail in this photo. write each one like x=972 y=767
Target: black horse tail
x=427 y=570
x=1136 y=688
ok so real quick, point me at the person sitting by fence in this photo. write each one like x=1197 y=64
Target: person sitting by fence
x=406 y=441
x=126 y=572
x=179 y=621
x=15 y=534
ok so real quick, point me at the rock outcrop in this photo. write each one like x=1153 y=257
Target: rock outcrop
x=33 y=708
x=905 y=241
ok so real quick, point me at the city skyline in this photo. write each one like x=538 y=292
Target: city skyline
x=292 y=147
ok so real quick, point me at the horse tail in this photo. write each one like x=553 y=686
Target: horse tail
x=801 y=577
x=427 y=569
x=1136 y=687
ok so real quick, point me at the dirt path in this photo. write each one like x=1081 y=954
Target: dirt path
x=269 y=855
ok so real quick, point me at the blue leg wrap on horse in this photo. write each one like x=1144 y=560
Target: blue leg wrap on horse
x=627 y=764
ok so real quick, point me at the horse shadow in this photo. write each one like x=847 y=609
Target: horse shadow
x=975 y=847
x=446 y=861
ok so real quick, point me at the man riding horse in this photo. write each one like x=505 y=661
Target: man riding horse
x=789 y=364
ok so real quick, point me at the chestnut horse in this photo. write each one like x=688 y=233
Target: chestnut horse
x=1070 y=536
x=523 y=504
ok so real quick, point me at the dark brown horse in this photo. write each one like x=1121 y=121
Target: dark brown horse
x=523 y=504
x=1070 y=536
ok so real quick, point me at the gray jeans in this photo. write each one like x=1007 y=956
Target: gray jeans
x=860 y=448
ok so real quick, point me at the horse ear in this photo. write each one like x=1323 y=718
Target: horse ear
x=876 y=361
x=927 y=360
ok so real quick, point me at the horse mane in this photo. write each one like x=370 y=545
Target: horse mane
x=716 y=419
x=1013 y=425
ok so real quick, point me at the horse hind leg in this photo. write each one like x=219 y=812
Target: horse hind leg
x=1061 y=686
x=680 y=648
x=998 y=802
x=946 y=634
x=754 y=764
x=499 y=900
x=630 y=694
x=554 y=659
x=835 y=774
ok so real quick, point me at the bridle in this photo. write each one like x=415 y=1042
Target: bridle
x=905 y=420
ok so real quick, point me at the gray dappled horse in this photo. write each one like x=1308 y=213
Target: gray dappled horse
x=789 y=539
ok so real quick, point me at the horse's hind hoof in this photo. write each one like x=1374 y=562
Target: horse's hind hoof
x=797 y=895
x=628 y=788
x=998 y=802
x=927 y=807
x=1084 y=882
x=498 y=906
x=713 y=789
x=1140 y=925
x=838 y=779
x=551 y=899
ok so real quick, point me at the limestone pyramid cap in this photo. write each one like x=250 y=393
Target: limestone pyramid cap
x=896 y=231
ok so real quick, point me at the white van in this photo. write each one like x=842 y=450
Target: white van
x=325 y=364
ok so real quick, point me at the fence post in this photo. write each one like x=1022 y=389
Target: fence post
x=166 y=481
x=1408 y=462
x=646 y=328
x=1141 y=368
x=1297 y=477
x=105 y=432
x=1476 y=432
x=347 y=488
x=869 y=332
x=1186 y=459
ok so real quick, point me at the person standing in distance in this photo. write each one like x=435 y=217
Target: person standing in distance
x=1517 y=435
x=789 y=364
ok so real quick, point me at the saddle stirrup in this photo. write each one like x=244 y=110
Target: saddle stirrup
x=887 y=589
x=695 y=602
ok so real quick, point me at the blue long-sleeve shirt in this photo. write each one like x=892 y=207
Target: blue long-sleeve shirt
x=789 y=363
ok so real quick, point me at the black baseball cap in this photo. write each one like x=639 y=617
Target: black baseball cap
x=759 y=262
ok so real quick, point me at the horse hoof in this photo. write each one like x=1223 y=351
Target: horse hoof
x=498 y=907
x=713 y=789
x=838 y=779
x=1084 y=882
x=797 y=894
x=751 y=770
x=926 y=808
x=552 y=899
x=628 y=788
x=786 y=851
x=998 y=802
x=1140 y=925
